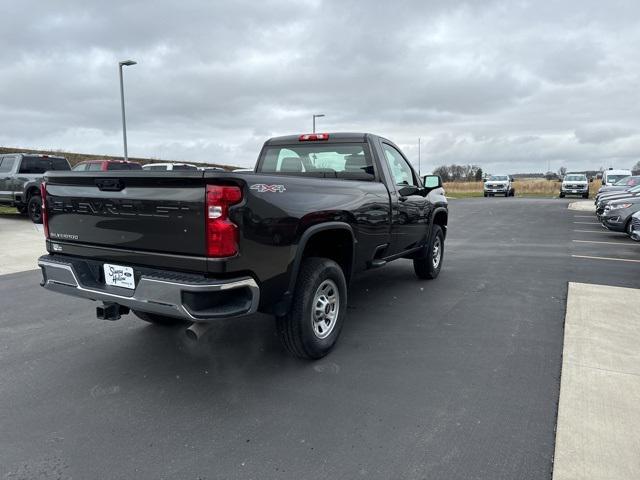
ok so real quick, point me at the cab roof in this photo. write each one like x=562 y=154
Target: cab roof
x=346 y=137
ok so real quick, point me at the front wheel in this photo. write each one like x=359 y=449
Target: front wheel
x=311 y=327
x=428 y=266
x=34 y=207
x=561 y=195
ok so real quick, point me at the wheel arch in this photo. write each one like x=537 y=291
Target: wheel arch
x=313 y=242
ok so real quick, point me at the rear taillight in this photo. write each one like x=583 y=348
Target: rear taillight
x=45 y=217
x=222 y=233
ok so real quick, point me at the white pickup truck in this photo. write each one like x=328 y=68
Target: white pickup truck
x=575 y=184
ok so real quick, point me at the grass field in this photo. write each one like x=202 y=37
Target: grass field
x=7 y=210
x=524 y=188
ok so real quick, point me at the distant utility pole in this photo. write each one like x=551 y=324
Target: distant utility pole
x=316 y=115
x=125 y=63
x=419 y=172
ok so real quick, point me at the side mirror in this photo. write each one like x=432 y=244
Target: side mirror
x=484 y=180
x=432 y=181
x=408 y=191
x=591 y=180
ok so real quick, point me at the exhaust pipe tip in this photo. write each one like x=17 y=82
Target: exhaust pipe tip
x=197 y=330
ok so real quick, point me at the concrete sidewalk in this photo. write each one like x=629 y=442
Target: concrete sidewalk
x=598 y=433
x=21 y=243
x=583 y=206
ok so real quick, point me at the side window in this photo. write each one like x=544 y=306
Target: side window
x=399 y=167
x=6 y=165
x=80 y=167
x=94 y=167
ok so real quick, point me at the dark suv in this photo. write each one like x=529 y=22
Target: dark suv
x=20 y=178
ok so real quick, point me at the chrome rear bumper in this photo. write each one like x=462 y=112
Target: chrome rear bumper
x=193 y=298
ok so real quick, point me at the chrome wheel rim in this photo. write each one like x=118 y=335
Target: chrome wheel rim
x=436 y=253
x=325 y=308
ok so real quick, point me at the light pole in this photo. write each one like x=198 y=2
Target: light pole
x=314 y=120
x=419 y=141
x=126 y=63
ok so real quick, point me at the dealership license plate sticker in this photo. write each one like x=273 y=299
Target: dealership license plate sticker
x=119 y=276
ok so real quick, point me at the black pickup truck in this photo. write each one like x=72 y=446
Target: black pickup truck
x=285 y=239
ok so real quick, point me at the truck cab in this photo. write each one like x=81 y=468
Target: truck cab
x=20 y=178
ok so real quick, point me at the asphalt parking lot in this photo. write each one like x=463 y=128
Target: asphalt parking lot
x=456 y=378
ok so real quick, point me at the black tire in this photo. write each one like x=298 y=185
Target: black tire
x=158 y=319
x=298 y=328
x=513 y=193
x=34 y=207
x=585 y=195
x=561 y=195
x=629 y=227
x=22 y=210
x=485 y=195
x=424 y=266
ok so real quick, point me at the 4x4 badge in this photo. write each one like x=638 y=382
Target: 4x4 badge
x=262 y=188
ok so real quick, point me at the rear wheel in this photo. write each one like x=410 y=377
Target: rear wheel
x=585 y=195
x=428 y=266
x=34 y=208
x=158 y=319
x=311 y=327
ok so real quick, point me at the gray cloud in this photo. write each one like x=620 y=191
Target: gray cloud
x=513 y=86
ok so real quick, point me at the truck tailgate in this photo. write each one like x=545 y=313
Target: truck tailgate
x=134 y=210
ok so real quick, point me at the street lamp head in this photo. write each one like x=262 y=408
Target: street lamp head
x=128 y=63
x=318 y=115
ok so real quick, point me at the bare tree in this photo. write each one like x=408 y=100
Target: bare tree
x=562 y=171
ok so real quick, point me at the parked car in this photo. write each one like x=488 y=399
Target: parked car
x=609 y=197
x=617 y=214
x=20 y=178
x=575 y=184
x=635 y=226
x=157 y=167
x=499 y=185
x=105 y=165
x=284 y=240
x=611 y=177
x=622 y=184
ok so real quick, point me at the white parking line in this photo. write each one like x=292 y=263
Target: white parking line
x=606 y=243
x=583 y=216
x=587 y=223
x=594 y=231
x=607 y=258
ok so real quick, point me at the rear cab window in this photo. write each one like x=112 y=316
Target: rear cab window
x=38 y=165
x=350 y=161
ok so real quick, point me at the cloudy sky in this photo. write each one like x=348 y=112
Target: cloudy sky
x=513 y=86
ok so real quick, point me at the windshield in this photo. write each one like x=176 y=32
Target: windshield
x=338 y=160
x=615 y=178
x=498 y=178
x=575 y=178
x=623 y=181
